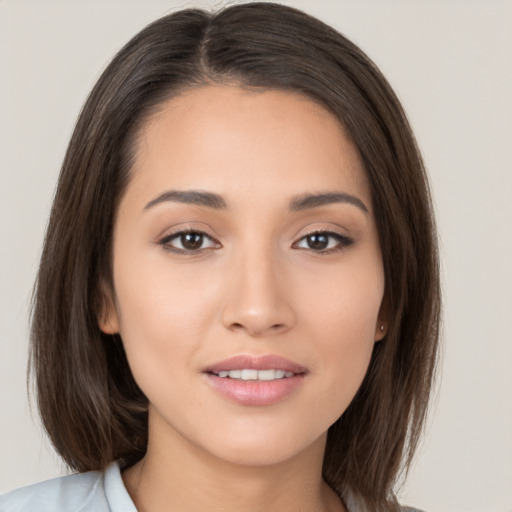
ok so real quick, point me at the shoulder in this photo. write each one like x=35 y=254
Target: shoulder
x=354 y=504
x=69 y=493
x=94 y=491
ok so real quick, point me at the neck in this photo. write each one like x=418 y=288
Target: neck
x=177 y=475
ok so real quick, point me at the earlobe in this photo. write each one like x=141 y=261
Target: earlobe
x=108 y=321
x=382 y=325
x=107 y=326
x=381 y=330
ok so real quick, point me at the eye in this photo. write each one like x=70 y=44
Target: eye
x=324 y=242
x=189 y=241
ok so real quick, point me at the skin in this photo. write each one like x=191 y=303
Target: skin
x=257 y=285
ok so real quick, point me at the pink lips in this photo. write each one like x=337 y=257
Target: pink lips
x=255 y=392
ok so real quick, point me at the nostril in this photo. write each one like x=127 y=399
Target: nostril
x=253 y=330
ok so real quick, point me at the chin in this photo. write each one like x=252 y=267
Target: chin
x=265 y=450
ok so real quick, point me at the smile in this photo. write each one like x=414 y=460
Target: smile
x=251 y=374
x=255 y=380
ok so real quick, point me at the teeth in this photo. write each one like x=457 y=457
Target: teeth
x=247 y=374
x=267 y=374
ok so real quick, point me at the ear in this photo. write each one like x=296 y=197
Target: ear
x=381 y=329
x=108 y=319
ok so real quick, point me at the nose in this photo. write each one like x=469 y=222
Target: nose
x=259 y=298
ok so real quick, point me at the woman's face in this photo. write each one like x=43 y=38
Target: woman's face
x=248 y=277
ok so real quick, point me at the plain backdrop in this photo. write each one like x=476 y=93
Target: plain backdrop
x=450 y=63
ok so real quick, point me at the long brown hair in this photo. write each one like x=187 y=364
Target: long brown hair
x=90 y=405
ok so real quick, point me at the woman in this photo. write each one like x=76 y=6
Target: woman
x=238 y=300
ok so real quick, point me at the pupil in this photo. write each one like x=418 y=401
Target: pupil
x=192 y=240
x=318 y=241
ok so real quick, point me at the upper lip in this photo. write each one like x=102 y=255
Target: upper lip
x=259 y=362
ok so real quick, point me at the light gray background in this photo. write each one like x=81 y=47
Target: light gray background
x=451 y=64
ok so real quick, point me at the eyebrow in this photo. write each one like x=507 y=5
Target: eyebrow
x=306 y=201
x=190 y=197
x=215 y=201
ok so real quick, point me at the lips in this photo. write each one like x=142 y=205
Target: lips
x=266 y=362
x=255 y=380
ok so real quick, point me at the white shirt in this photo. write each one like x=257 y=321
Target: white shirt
x=94 y=491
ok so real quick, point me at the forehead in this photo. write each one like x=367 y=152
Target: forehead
x=230 y=139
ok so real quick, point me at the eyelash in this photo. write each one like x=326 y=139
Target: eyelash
x=166 y=241
x=342 y=242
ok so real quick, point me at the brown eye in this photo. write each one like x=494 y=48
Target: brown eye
x=191 y=241
x=324 y=241
x=188 y=242
x=317 y=241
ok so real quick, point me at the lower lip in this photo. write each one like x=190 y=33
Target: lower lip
x=255 y=392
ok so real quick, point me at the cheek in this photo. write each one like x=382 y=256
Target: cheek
x=345 y=302
x=343 y=316
x=158 y=298
x=164 y=315
x=160 y=329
